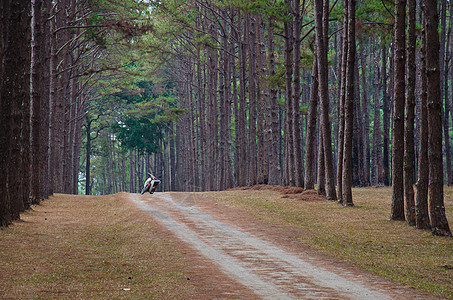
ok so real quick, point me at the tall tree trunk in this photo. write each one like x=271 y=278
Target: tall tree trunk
x=229 y=65
x=386 y=119
x=37 y=66
x=443 y=66
x=421 y=199
x=201 y=124
x=211 y=115
x=173 y=186
x=349 y=108
x=311 y=129
x=235 y=102
x=5 y=113
x=446 y=116
x=78 y=143
x=439 y=221
x=131 y=171
x=357 y=136
x=376 y=152
x=341 y=103
x=321 y=49
x=53 y=154
x=223 y=66
x=262 y=95
x=365 y=117
x=252 y=165
x=45 y=100
x=288 y=169
x=448 y=102
x=242 y=163
x=295 y=131
x=321 y=178
x=272 y=110
x=410 y=116
x=16 y=94
x=397 y=210
x=24 y=93
x=88 y=158
x=61 y=78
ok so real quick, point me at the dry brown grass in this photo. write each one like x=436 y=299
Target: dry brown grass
x=89 y=247
x=362 y=235
x=99 y=247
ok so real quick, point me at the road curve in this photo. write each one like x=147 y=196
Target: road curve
x=266 y=269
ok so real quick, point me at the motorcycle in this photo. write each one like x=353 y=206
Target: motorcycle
x=150 y=184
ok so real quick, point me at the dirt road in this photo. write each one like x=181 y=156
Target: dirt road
x=258 y=264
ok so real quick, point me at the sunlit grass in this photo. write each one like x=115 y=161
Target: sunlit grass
x=362 y=235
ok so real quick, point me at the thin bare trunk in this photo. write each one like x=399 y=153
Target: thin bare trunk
x=410 y=117
x=311 y=129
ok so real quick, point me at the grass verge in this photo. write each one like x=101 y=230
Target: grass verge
x=362 y=234
x=89 y=247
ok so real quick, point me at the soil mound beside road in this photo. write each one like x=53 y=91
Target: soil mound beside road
x=288 y=191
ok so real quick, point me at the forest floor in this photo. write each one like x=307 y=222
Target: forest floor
x=264 y=242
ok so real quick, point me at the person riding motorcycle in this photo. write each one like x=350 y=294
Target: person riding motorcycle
x=150 y=184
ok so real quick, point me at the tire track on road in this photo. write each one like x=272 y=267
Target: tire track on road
x=269 y=271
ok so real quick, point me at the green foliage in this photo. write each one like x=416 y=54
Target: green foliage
x=306 y=58
x=277 y=80
x=303 y=108
x=153 y=108
x=204 y=40
x=138 y=133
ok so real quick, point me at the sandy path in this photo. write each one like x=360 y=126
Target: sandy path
x=265 y=268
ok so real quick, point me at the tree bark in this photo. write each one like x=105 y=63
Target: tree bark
x=421 y=200
x=376 y=152
x=212 y=114
x=439 y=221
x=311 y=129
x=397 y=210
x=37 y=83
x=242 y=163
x=409 y=152
x=321 y=178
x=45 y=96
x=252 y=164
x=14 y=98
x=295 y=131
x=386 y=119
x=443 y=67
x=365 y=117
x=341 y=103
x=262 y=95
x=88 y=158
x=288 y=169
x=357 y=137
x=321 y=49
x=349 y=108
x=5 y=114
x=272 y=110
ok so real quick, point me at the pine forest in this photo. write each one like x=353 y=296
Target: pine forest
x=210 y=95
